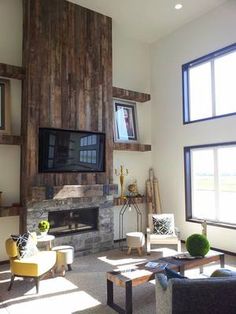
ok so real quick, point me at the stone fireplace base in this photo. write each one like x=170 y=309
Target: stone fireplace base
x=92 y=196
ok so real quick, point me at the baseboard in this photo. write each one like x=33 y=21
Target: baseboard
x=219 y=250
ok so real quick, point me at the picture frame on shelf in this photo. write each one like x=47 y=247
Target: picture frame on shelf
x=5 y=123
x=125 y=121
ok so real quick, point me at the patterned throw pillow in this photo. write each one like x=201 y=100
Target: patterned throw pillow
x=162 y=225
x=26 y=245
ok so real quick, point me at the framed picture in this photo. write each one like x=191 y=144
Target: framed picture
x=125 y=121
x=5 y=126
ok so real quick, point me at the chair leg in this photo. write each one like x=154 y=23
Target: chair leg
x=11 y=283
x=37 y=284
x=148 y=248
x=179 y=246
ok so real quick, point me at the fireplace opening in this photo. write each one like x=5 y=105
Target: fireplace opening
x=64 y=222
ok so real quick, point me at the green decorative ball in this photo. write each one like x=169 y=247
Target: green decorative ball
x=43 y=225
x=197 y=245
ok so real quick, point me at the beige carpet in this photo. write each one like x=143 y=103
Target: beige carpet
x=82 y=290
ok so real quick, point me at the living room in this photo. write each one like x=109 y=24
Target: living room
x=147 y=63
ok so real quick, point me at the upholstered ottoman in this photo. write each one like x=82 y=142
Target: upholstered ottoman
x=135 y=240
x=65 y=256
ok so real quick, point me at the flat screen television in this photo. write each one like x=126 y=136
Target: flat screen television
x=71 y=151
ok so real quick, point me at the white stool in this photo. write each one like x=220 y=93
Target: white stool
x=65 y=256
x=135 y=240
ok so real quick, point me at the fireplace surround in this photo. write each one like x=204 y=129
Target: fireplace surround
x=65 y=222
x=69 y=199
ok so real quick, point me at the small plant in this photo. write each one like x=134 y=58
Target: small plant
x=44 y=225
x=197 y=245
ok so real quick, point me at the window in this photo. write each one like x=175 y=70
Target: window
x=209 y=86
x=210 y=183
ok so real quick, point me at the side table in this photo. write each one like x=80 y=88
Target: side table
x=46 y=240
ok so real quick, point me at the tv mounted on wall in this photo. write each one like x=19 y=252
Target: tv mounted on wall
x=71 y=151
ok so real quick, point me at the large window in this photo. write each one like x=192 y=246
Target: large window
x=210 y=183
x=209 y=86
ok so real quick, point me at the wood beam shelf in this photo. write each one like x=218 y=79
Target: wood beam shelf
x=12 y=71
x=121 y=201
x=130 y=95
x=10 y=139
x=132 y=147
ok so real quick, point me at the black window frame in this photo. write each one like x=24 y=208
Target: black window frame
x=185 y=82
x=188 y=185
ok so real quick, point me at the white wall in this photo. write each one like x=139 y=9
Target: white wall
x=206 y=34
x=10 y=53
x=131 y=70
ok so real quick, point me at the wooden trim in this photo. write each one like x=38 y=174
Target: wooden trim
x=132 y=147
x=121 y=201
x=12 y=71
x=10 y=139
x=130 y=95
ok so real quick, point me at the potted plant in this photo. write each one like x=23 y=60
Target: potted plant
x=43 y=226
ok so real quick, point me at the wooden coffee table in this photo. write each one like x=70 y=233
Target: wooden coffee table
x=139 y=274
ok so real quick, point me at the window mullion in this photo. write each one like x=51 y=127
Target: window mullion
x=216 y=184
x=213 y=89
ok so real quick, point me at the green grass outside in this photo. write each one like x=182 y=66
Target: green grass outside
x=227 y=183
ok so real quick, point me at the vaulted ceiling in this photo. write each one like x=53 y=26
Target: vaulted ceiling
x=149 y=20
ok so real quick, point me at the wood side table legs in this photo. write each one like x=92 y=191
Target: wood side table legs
x=128 y=298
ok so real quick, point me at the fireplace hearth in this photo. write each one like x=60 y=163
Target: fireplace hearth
x=65 y=222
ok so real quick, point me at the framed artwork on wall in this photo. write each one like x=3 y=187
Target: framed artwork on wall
x=5 y=125
x=125 y=121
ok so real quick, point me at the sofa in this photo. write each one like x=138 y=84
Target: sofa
x=195 y=296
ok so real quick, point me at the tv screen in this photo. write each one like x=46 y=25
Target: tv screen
x=71 y=151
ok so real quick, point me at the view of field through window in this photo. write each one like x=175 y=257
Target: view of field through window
x=213 y=173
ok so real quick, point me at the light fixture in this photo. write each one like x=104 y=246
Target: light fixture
x=178 y=6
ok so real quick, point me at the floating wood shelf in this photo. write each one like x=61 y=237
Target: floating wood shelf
x=130 y=95
x=12 y=71
x=8 y=211
x=121 y=201
x=10 y=139
x=132 y=147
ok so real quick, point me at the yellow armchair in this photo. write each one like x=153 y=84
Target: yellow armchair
x=35 y=266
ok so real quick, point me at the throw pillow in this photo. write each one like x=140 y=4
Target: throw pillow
x=162 y=225
x=223 y=272
x=173 y=274
x=25 y=244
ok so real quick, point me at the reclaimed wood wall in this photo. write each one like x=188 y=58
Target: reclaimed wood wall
x=67 y=56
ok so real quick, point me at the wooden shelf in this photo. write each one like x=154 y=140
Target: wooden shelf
x=132 y=147
x=130 y=95
x=12 y=71
x=121 y=201
x=10 y=139
x=8 y=211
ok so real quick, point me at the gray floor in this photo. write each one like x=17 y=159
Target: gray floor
x=83 y=290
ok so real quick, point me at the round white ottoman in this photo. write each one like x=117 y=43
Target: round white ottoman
x=135 y=240
x=65 y=256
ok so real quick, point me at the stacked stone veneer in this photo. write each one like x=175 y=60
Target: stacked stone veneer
x=74 y=197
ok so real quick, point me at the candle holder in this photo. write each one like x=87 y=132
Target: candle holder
x=122 y=174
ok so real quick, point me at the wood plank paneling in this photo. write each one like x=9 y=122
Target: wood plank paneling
x=12 y=71
x=130 y=95
x=67 y=53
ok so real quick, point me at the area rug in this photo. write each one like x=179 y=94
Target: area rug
x=82 y=290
